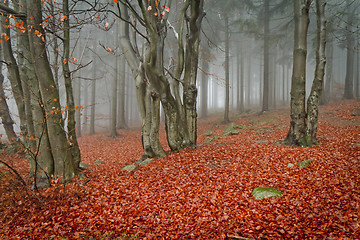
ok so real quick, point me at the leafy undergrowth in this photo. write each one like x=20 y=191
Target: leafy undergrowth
x=201 y=193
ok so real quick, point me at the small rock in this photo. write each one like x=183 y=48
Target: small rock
x=146 y=161
x=98 y=162
x=290 y=165
x=262 y=192
x=209 y=133
x=130 y=168
x=305 y=164
x=208 y=140
x=84 y=165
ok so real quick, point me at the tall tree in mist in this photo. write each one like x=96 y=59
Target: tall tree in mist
x=227 y=70
x=350 y=42
x=121 y=122
x=303 y=125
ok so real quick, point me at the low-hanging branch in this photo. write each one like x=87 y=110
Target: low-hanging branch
x=7 y=10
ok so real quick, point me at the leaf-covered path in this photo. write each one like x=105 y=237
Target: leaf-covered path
x=202 y=193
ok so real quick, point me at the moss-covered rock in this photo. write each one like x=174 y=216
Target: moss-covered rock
x=98 y=162
x=208 y=133
x=305 y=164
x=130 y=168
x=146 y=161
x=232 y=129
x=262 y=192
x=290 y=165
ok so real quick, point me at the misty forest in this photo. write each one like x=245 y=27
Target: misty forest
x=184 y=119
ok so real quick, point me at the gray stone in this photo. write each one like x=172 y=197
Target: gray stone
x=208 y=140
x=146 y=161
x=130 y=168
x=209 y=133
x=290 y=165
x=305 y=164
x=84 y=165
x=98 y=162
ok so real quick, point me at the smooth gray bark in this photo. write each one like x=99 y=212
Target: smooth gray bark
x=297 y=103
x=63 y=161
x=227 y=73
x=316 y=90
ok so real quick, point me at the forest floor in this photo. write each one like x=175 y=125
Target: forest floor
x=201 y=193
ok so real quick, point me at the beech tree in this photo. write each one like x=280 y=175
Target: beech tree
x=153 y=81
x=303 y=124
x=51 y=149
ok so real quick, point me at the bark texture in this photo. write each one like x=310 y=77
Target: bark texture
x=297 y=102
x=5 y=116
x=63 y=164
x=317 y=87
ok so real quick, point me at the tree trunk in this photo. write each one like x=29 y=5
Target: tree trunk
x=39 y=150
x=71 y=129
x=316 y=89
x=113 y=132
x=143 y=94
x=248 y=85
x=227 y=87
x=121 y=96
x=63 y=161
x=13 y=75
x=349 y=78
x=325 y=96
x=78 y=103
x=5 y=113
x=266 y=89
x=242 y=79
x=297 y=103
x=93 y=99
x=357 y=75
x=204 y=81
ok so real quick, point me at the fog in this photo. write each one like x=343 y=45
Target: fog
x=95 y=47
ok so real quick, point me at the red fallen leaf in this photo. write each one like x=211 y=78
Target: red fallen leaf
x=202 y=193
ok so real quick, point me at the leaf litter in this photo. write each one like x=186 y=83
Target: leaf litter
x=201 y=193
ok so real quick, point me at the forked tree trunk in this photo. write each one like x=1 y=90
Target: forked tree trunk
x=297 y=103
x=63 y=164
x=39 y=156
x=143 y=93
